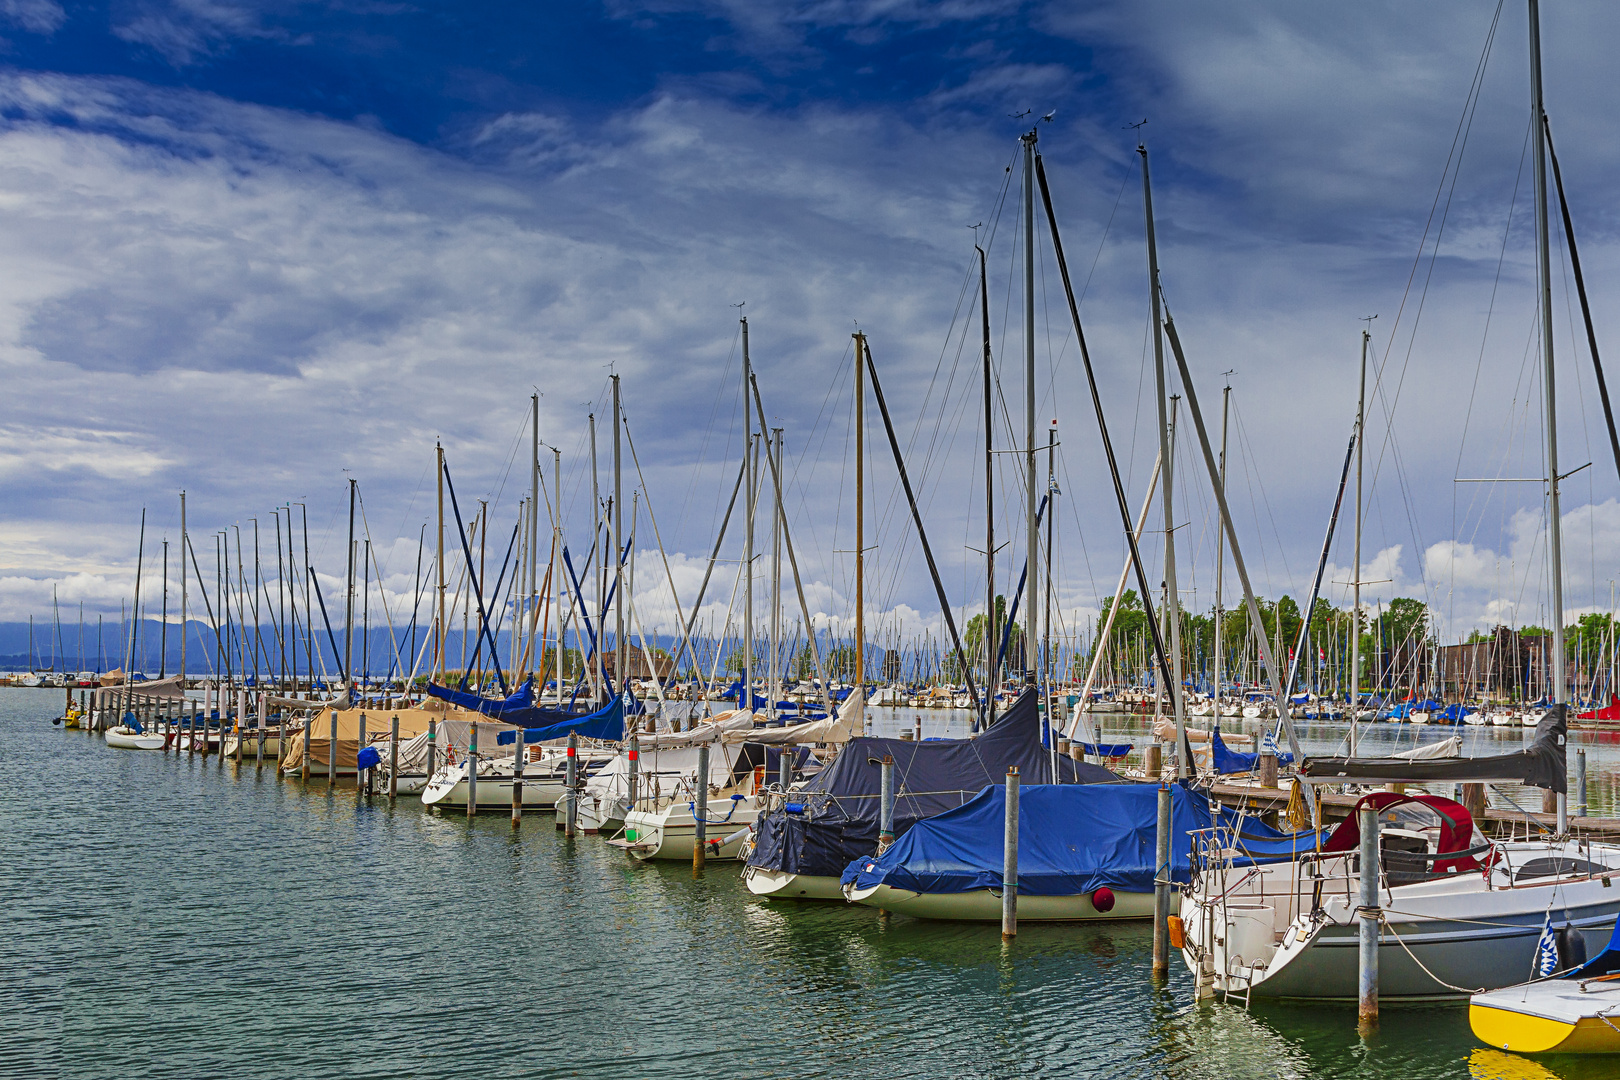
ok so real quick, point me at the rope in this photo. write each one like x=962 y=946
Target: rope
x=1460 y=989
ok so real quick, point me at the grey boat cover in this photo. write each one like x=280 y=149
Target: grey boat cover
x=1542 y=764
x=834 y=819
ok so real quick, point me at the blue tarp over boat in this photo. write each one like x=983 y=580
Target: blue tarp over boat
x=466 y=699
x=606 y=724
x=1227 y=760
x=838 y=816
x=1072 y=838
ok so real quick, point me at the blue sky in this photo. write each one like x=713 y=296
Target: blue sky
x=245 y=247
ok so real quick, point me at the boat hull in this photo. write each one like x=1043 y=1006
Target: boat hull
x=125 y=739
x=781 y=885
x=1551 y=1017
x=984 y=905
x=672 y=834
x=494 y=792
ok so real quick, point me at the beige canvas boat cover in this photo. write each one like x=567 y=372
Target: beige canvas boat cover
x=412 y=722
x=111 y=697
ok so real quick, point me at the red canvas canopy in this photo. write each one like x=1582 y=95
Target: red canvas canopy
x=1456 y=826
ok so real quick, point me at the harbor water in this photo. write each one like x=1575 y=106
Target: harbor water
x=175 y=917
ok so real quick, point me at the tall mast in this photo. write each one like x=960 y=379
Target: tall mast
x=1032 y=535
x=441 y=627
x=281 y=600
x=745 y=700
x=621 y=654
x=860 y=519
x=183 y=547
x=1051 y=519
x=1555 y=539
x=537 y=655
x=596 y=545
x=774 y=679
x=556 y=549
x=348 y=602
x=163 y=632
x=992 y=629
x=1172 y=599
x=1220 y=557
x=1355 y=577
x=309 y=610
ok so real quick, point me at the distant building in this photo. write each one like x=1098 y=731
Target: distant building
x=636 y=666
x=1505 y=665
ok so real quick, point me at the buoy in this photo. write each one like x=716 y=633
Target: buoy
x=1103 y=900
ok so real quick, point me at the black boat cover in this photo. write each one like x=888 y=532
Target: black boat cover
x=834 y=819
x=1542 y=764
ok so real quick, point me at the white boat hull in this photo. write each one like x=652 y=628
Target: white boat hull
x=125 y=739
x=984 y=905
x=671 y=833
x=780 y=885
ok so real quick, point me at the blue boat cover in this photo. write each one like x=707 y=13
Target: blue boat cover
x=836 y=819
x=606 y=723
x=466 y=699
x=1606 y=962
x=1072 y=838
x=1236 y=761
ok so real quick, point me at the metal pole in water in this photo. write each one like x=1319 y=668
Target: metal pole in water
x=517 y=780
x=700 y=812
x=362 y=777
x=1161 y=890
x=784 y=764
x=886 y=805
x=432 y=751
x=633 y=767
x=570 y=775
x=259 y=761
x=241 y=719
x=472 y=771
x=1009 y=861
x=331 y=755
x=393 y=760
x=304 y=770
x=1367 y=968
x=1580 y=782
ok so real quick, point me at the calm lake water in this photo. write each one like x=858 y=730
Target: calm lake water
x=171 y=917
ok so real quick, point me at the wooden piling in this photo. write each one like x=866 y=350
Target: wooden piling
x=305 y=768
x=700 y=812
x=1580 y=783
x=1009 y=859
x=1152 y=761
x=432 y=748
x=1473 y=800
x=361 y=777
x=1161 y=890
x=393 y=760
x=331 y=756
x=1268 y=770
x=260 y=724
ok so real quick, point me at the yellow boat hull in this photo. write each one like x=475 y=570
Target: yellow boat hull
x=1526 y=1033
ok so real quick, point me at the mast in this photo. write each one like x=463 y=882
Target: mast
x=281 y=600
x=621 y=654
x=309 y=611
x=596 y=545
x=348 y=602
x=1032 y=532
x=162 y=633
x=1555 y=538
x=1172 y=599
x=1355 y=577
x=1220 y=557
x=439 y=623
x=537 y=655
x=183 y=544
x=746 y=698
x=556 y=548
x=992 y=631
x=774 y=679
x=860 y=521
x=134 y=613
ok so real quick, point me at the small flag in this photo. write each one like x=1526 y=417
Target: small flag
x=1547 y=951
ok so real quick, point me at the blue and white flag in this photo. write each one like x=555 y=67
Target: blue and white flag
x=1547 y=951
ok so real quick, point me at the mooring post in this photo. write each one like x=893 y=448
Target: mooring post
x=331 y=755
x=262 y=717
x=472 y=770
x=1009 y=860
x=393 y=759
x=570 y=776
x=1268 y=770
x=700 y=812
x=517 y=779
x=1161 y=890
x=886 y=804
x=784 y=767
x=1152 y=761
x=1580 y=782
x=432 y=749
x=362 y=777
x=1371 y=916
x=241 y=721
x=633 y=769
